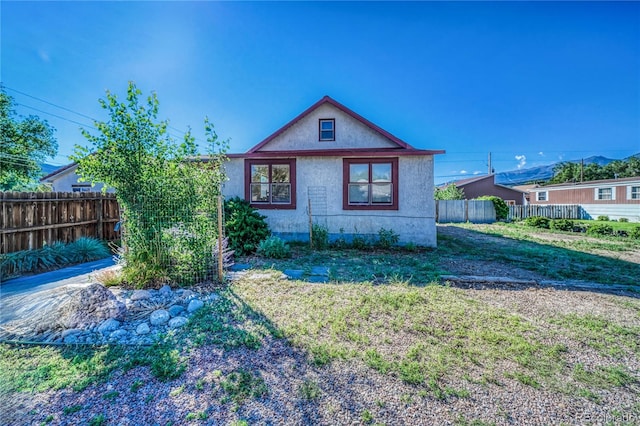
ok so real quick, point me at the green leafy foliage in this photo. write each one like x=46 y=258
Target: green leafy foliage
x=24 y=144
x=167 y=191
x=571 y=172
x=603 y=218
x=502 y=210
x=245 y=226
x=601 y=229
x=623 y=220
x=538 y=222
x=319 y=236
x=635 y=233
x=242 y=384
x=562 y=225
x=274 y=247
x=451 y=192
x=387 y=238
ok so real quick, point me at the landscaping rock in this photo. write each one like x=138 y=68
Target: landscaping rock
x=165 y=291
x=109 y=325
x=141 y=295
x=177 y=322
x=94 y=304
x=159 y=317
x=119 y=335
x=187 y=294
x=70 y=332
x=143 y=329
x=194 y=305
x=175 y=310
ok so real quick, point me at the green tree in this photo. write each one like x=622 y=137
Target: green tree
x=502 y=210
x=451 y=192
x=167 y=191
x=24 y=143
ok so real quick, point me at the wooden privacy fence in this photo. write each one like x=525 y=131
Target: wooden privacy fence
x=30 y=219
x=572 y=211
x=474 y=211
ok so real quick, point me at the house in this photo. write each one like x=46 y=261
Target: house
x=616 y=198
x=65 y=179
x=485 y=185
x=333 y=167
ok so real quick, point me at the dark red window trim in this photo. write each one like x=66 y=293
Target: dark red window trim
x=247 y=182
x=320 y=129
x=345 y=183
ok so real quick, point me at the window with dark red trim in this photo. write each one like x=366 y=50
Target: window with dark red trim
x=270 y=184
x=370 y=184
x=326 y=129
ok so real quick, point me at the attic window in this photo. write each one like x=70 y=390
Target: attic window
x=327 y=128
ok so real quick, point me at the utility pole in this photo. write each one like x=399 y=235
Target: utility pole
x=581 y=170
x=490 y=169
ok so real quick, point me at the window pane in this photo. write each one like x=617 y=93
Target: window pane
x=381 y=172
x=604 y=193
x=280 y=173
x=260 y=192
x=381 y=193
x=281 y=193
x=326 y=134
x=358 y=193
x=326 y=125
x=635 y=192
x=259 y=173
x=358 y=173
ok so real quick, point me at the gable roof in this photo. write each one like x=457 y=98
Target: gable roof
x=468 y=181
x=58 y=171
x=327 y=100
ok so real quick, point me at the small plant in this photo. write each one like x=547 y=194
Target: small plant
x=71 y=409
x=635 y=233
x=135 y=386
x=197 y=416
x=47 y=419
x=562 y=225
x=110 y=396
x=167 y=363
x=274 y=247
x=110 y=278
x=537 y=222
x=410 y=247
x=359 y=242
x=242 y=384
x=600 y=229
x=309 y=390
x=200 y=384
x=366 y=416
x=387 y=238
x=244 y=225
x=603 y=218
x=98 y=420
x=177 y=391
x=319 y=236
x=623 y=220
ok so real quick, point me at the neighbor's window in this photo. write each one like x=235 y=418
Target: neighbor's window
x=541 y=196
x=634 y=193
x=270 y=183
x=81 y=188
x=327 y=129
x=370 y=184
x=604 y=194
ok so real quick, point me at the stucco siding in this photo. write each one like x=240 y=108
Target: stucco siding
x=64 y=182
x=321 y=179
x=349 y=133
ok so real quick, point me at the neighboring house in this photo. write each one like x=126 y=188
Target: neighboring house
x=615 y=198
x=352 y=176
x=65 y=179
x=485 y=185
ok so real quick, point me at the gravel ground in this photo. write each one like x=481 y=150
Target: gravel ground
x=349 y=392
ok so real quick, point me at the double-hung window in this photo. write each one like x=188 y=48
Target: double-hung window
x=370 y=184
x=327 y=129
x=633 y=193
x=541 y=196
x=604 y=194
x=271 y=183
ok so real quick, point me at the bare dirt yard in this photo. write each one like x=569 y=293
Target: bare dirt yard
x=386 y=341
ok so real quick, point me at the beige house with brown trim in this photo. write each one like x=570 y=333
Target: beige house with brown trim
x=348 y=174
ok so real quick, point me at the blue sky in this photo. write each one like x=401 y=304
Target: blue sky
x=530 y=82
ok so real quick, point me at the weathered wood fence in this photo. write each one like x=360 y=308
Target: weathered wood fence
x=572 y=211
x=30 y=219
x=474 y=211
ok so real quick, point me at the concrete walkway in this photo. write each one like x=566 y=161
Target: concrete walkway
x=24 y=296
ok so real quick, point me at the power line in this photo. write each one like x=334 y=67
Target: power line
x=49 y=103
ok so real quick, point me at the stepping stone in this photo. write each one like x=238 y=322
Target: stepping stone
x=318 y=279
x=320 y=270
x=239 y=267
x=294 y=274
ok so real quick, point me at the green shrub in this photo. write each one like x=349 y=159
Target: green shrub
x=623 y=219
x=244 y=225
x=502 y=210
x=387 y=238
x=274 y=247
x=603 y=218
x=600 y=229
x=635 y=233
x=85 y=249
x=562 y=225
x=319 y=237
x=537 y=222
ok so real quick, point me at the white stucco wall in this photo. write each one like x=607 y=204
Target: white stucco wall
x=414 y=221
x=63 y=182
x=349 y=133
